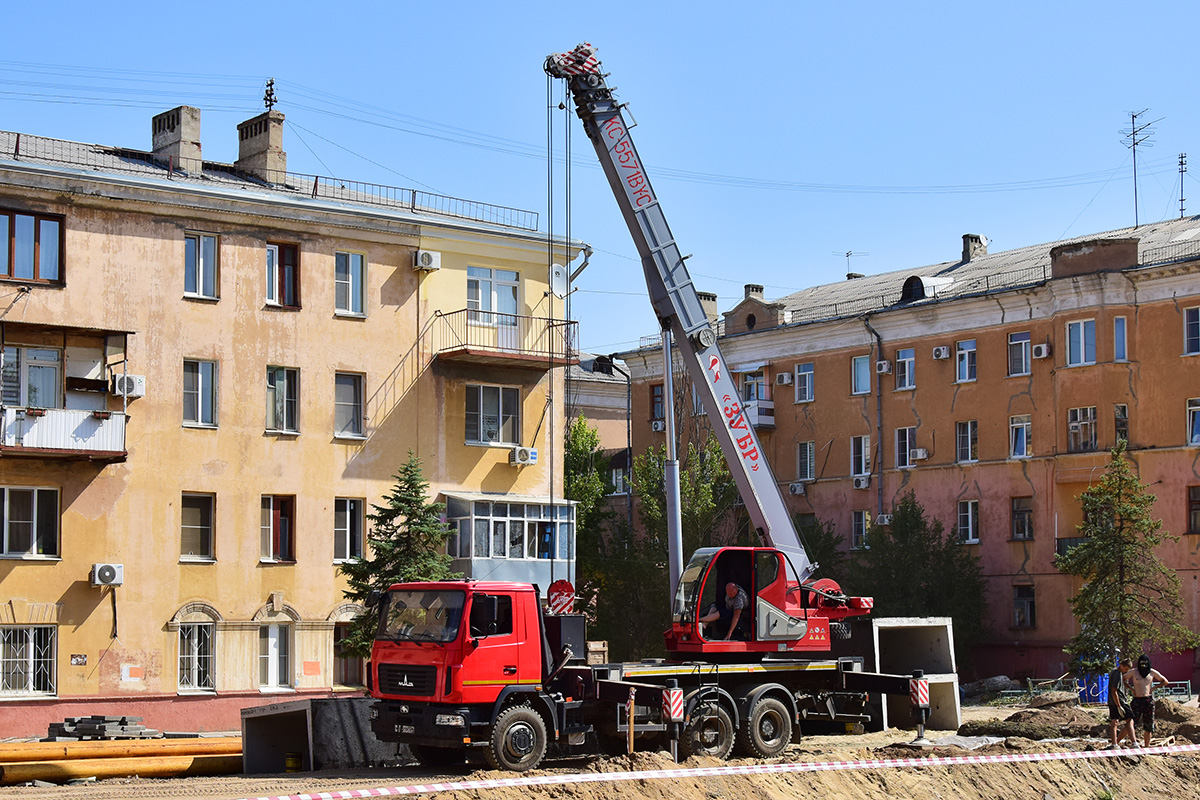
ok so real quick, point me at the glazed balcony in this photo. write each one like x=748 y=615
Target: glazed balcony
x=497 y=339
x=62 y=433
x=760 y=413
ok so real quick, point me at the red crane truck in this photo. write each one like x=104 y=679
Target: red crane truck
x=461 y=665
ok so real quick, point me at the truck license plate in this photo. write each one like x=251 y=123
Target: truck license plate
x=408 y=729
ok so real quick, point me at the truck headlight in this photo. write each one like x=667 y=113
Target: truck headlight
x=453 y=720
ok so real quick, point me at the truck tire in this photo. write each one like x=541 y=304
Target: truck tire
x=437 y=757
x=518 y=741
x=709 y=732
x=767 y=729
x=840 y=630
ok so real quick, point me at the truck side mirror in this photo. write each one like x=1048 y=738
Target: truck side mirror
x=373 y=598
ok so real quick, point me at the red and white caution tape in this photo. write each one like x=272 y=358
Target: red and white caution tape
x=746 y=769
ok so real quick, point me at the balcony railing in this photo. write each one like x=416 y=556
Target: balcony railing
x=63 y=433
x=760 y=413
x=495 y=338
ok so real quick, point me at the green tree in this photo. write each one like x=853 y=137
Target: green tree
x=584 y=483
x=406 y=542
x=1129 y=598
x=913 y=568
x=823 y=544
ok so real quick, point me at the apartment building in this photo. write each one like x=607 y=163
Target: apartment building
x=210 y=373
x=992 y=386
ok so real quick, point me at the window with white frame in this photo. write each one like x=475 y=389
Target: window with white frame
x=906 y=368
x=349 y=283
x=1081 y=429
x=273 y=656
x=966 y=440
x=493 y=414
x=348 y=404
x=1024 y=615
x=30 y=377
x=197 y=657
x=968 y=521
x=196 y=527
x=805 y=387
x=283 y=400
x=487 y=529
x=1019 y=428
x=276 y=528
x=200 y=393
x=30 y=521
x=1191 y=331
x=200 y=265
x=493 y=296
x=1019 y=353
x=754 y=386
x=31 y=247
x=1193 y=420
x=806 y=461
x=1022 y=518
x=859 y=522
x=619 y=478
x=860 y=455
x=28 y=655
x=283 y=275
x=347 y=528
x=1081 y=342
x=906 y=440
x=966 y=360
x=860 y=375
x=1120 y=351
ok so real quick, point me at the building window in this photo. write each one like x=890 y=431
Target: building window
x=200 y=393
x=196 y=527
x=30 y=521
x=347 y=404
x=1191 y=331
x=485 y=529
x=805 y=387
x=967 y=440
x=1193 y=420
x=200 y=265
x=283 y=275
x=1194 y=509
x=1119 y=349
x=1018 y=353
x=29 y=377
x=968 y=521
x=283 y=400
x=273 y=648
x=1121 y=421
x=197 y=662
x=1019 y=428
x=349 y=283
x=656 y=402
x=347 y=529
x=492 y=296
x=31 y=247
x=277 y=530
x=619 y=478
x=860 y=375
x=1023 y=608
x=858 y=530
x=493 y=415
x=1022 y=518
x=966 y=360
x=906 y=439
x=347 y=668
x=754 y=386
x=1081 y=429
x=27 y=659
x=860 y=455
x=1081 y=342
x=906 y=368
x=806 y=461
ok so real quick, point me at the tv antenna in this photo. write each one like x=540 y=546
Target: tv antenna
x=1182 y=172
x=269 y=98
x=849 y=254
x=1139 y=133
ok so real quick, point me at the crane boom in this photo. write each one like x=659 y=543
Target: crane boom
x=675 y=299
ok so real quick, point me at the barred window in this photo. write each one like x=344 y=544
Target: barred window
x=27 y=659
x=197 y=662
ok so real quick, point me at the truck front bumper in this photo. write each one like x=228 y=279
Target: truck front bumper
x=437 y=725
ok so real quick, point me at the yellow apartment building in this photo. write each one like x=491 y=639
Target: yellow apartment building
x=210 y=373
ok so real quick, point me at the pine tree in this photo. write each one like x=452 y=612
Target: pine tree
x=1129 y=598
x=406 y=542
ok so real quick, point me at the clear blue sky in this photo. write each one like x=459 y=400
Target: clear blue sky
x=776 y=134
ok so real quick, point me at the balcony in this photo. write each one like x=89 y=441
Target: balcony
x=493 y=338
x=62 y=433
x=760 y=413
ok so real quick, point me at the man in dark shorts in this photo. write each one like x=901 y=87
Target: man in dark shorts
x=1143 y=680
x=1119 y=714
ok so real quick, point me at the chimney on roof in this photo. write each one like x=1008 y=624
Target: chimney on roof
x=708 y=302
x=260 y=147
x=754 y=290
x=176 y=136
x=973 y=245
x=853 y=276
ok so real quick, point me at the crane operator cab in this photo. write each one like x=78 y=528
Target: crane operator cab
x=755 y=590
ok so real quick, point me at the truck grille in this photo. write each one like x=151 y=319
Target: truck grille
x=411 y=680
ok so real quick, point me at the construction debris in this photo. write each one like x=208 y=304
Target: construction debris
x=99 y=726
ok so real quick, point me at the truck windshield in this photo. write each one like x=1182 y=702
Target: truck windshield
x=422 y=616
x=688 y=592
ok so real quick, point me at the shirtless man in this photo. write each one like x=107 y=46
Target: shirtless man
x=1142 y=681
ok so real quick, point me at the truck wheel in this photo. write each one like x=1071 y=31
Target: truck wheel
x=767 y=729
x=709 y=732
x=428 y=756
x=518 y=740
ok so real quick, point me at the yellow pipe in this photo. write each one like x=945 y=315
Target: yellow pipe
x=146 y=767
x=15 y=752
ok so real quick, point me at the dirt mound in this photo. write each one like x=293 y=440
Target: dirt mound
x=1067 y=720
x=1007 y=729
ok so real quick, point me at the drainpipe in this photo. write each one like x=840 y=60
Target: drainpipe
x=878 y=410
x=628 y=438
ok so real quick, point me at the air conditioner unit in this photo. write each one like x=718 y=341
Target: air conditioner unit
x=941 y=353
x=883 y=519
x=1041 y=351
x=129 y=385
x=796 y=488
x=783 y=379
x=862 y=482
x=522 y=456
x=427 y=260
x=658 y=425
x=883 y=367
x=107 y=574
